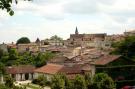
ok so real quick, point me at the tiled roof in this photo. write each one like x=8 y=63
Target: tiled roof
x=49 y=69
x=70 y=70
x=106 y=59
x=55 y=68
x=20 y=69
x=75 y=69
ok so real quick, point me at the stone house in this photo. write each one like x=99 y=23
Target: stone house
x=21 y=72
x=50 y=69
x=31 y=47
x=88 y=40
x=4 y=47
x=54 y=42
x=130 y=33
x=109 y=64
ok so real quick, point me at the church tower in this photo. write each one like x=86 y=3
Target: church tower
x=76 y=31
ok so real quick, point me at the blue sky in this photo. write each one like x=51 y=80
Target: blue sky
x=45 y=18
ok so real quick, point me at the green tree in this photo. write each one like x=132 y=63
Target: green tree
x=2 y=69
x=107 y=83
x=79 y=82
x=55 y=37
x=13 y=54
x=23 y=40
x=126 y=48
x=103 y=81
x=41 y=80
x=48 y=55
x=9 y=81
x=25 y=58
x=6 y=5
x=88 y=80
x=39 y=60
x=57 y=82
x=2 y=86
x=42 y=58
x=1 y=53
x=68 y=83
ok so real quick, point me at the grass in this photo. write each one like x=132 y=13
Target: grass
x=32 y=86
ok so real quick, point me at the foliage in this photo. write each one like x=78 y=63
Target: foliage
x=68 y=83
x=99 y=81
x=1 y=53
x=55 y=37
x=39 y=60
x=79 y=82
x=8 y=81
x=26 y=58
x=13 y=54
x=23 y=40
x=2 y=69
x=41 y=80
x=42 y=58
x=126 y=48
x=57 y=82
x=2 y=86
x=7 y=5
x=88 y=80
x=103 y=81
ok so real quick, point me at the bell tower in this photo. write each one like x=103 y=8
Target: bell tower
x=76 y=31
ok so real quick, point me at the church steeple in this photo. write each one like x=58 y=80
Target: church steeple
x=76 y=30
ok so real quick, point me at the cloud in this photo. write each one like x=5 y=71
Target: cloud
x=44 y=18
x=49 y=9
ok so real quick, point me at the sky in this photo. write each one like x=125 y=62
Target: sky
x=45 y=18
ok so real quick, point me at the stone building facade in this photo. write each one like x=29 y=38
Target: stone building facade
x=85 y=40
x=21 y=72
x=3 y=47
x=31 y=47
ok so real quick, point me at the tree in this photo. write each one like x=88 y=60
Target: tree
x=48 y=55
x=6 y=5
x=126 y=48
x=2 y=86
x=9 y=81
x=79 y=82
x=57 y=82
x=13 y=54
x=23 y=40
x=1 y=53
x=25 y=58
x=68 y=83
x=103 y=81
x=2 y=69
x=107 y=83
x=39 y=60
x=55 y=37
x=42 y=58
x=88 y=80
x=41 y=80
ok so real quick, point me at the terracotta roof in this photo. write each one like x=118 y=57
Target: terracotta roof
x=70 y=70
x=106 y=59
x=49 y=69
x=75 y=69
x=55 y=68
x=20 y=69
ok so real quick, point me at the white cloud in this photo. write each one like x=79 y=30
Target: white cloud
x=44 y=18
